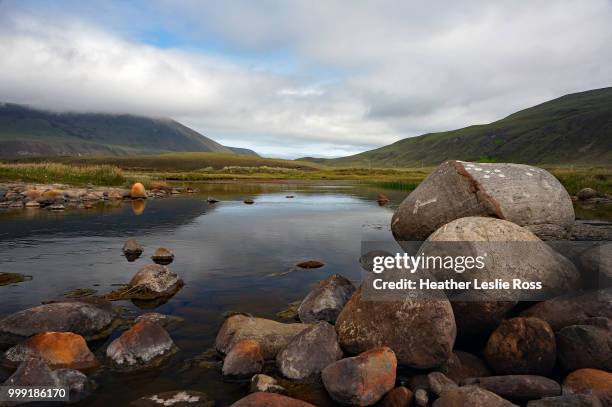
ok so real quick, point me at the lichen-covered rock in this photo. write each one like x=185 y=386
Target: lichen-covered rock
x=265 y=383
x=163 y=256
x=309 y=352
x=590 y=381
x=144 y=345
x=573 y=309
x=92 y=320
x=177 y=398
x=586 y=345
x=244 y=359
x=326 y=300
x=56 y=349
x=397 y=397
x=462 y=365
x=522 y=346
x=272 y=336
x=421 y=331
x=472 y=396
x=521 y=194
x=519 y=388
x=151 y=282
x=361 y=380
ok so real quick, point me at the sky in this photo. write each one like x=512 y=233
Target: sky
x=304 y=78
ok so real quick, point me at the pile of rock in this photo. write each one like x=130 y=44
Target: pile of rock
x=353 y=344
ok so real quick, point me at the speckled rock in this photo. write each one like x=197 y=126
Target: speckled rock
x=144 y=345
x=245 y=358
x=326 y=300
x=151 y=282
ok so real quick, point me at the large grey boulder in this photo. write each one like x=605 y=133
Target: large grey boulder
x=144 y=345
x=272 y=336
x=523 y=194
x=326 y=300
x=309 y=352
x=586 y=345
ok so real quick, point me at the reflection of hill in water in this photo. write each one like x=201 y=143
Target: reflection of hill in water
x=104 y=220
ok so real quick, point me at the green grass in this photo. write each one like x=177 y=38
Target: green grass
x=574 y=179
x=107 y=175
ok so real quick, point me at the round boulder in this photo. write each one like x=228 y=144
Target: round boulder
x=151 y=282
x=244 y=359
x=587 y=193
x=144 y=345
x=138 y=191
x=326 y=300
x=590 y=381
x=586 y=345
x=522 y=346
x=361 y=380
x=162 y=256
x=132 y=247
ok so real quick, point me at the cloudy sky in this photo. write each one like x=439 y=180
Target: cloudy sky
x=296 y=78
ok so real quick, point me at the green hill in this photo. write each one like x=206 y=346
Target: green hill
x=27 y=132
x=573 y=129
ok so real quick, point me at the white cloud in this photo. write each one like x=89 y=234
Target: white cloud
x=399 y=69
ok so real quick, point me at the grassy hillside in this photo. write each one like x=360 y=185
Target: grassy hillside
x=29 y=132
x=573 y=129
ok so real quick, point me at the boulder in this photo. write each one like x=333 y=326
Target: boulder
x=244 y=359
x=310 y=264
x=438 y=383
x=361 y=380
x=521 y=194
x=249 y=201
x=586 y=193
x=462 y=365
x=596 y=264
x=144 y=345
x=573 y=309
x=522 y=346
x=472 y=396
x=326 y=300
x=162 y=256
x=92 y=320
x=56 y=349
x=138 y=191
x=32 y=205
x=132 y=247
x=177 y=398
x=421 y=331
x=586 y=345
x=571 y=400
x=509 y=252
x=309 y=352
x=151 y=282
x=262 y=399
x=272 y=336
x=56 y=207
x=382 y=199
x=398 y=397
x=265 y=383
x=590 y=381
x=211 y=200
x=519 y=388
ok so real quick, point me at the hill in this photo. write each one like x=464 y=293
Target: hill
x=26 y=132
x=572 y=129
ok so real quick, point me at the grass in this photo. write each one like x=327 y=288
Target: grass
x=61 y=173
x=574 y=179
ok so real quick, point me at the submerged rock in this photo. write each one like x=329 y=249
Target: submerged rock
x=519 y=388
x=472 y=396
x=522 y=346
x=211 y=200
x=162 y=256
x=249 y=201
x=12 y=278
x=56 y=349
x=262 y=399
x=160 y=319
x=361 y=380
x=177 y=398
x=244 y=359
x=132 y=248
x=309 y=352
x=326 y=300
x=586 y=345
x=144 y=345
x=91 y=319
x=590 y=381
x=272 y=336
x=310 y=264
x=151 y=282
x=265 y=383
x=518 y=193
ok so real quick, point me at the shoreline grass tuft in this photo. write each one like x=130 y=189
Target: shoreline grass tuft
x=106 y=175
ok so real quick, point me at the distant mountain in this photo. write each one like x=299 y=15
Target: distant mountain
x=30 y=132
x=572 y=129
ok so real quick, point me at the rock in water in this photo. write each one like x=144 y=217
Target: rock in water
x=56 y=349
x=272 y=336
x=144 y=345
x=571 y=400
x=512 y=253
x=590 y=381
x=310 y=264
x=269 y=400
x=519 y=388
x=86 y=318
x=522 y=346
x=265 y=383
x=472 y=396
x=151 y=282
x=462 y=365
x=587 y=193
x=522 y=194
x=586 y=345
x=163 y=256
x=361 y=380
x=160 y=319
x=177 y=398
x=244 y=359
x=326 y=300
x=573 y=309
x=132 y=248
x=138 y=191
x=309 y=352
x=421 y=331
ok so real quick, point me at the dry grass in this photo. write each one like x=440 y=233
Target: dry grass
x=61 y=173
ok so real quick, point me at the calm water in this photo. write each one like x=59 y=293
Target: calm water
x=229 y=254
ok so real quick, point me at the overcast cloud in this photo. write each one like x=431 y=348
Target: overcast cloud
x=295 y=78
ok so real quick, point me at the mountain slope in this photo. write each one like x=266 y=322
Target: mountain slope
x=29 y=132
x=573 y=129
